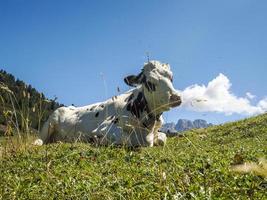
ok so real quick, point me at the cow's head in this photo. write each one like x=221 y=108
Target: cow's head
x=156 y=80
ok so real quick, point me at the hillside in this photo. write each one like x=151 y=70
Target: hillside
x=196 y=166
x=32 y=107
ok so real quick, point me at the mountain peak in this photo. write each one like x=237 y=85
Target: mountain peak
x=171 y=129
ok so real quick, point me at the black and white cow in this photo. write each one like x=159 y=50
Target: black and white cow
x=131 y=119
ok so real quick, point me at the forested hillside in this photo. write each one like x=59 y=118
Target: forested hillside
x=21 y=105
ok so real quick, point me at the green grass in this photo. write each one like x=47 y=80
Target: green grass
x=196 y=166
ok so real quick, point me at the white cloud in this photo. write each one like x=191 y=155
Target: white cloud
x=263 y=104
x=250 y=96
x=217 y=97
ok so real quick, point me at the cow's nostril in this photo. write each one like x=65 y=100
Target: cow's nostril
x=175 y=97
x=175 y=100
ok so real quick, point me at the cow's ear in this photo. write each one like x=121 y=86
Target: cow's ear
x=133 y=80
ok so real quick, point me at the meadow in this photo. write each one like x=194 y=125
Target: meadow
x=196 y=166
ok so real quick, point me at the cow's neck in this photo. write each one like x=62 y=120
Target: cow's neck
x=150 y=116
x=142 y=109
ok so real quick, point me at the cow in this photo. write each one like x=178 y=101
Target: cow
x=132 y=118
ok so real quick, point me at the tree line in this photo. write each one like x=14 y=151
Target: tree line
x=21 y=105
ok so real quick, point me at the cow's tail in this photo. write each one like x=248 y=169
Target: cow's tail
x=44 y=134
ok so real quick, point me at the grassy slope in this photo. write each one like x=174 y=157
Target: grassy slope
x=193 y=166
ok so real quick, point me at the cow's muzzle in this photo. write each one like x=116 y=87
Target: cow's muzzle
x=175 y=100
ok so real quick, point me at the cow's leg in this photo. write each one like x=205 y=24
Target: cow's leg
x=150 y=139
x=159 y=137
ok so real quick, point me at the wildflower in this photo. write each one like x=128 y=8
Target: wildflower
x=164 y=177
x=252 y=167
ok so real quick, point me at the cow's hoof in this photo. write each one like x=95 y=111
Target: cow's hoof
x=38 y=142
x=162 y=139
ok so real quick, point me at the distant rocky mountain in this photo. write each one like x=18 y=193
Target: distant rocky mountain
x=172 y=129
x=169 y=128
x=185 y=124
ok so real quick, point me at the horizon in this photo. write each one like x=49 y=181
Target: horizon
x=81 y=51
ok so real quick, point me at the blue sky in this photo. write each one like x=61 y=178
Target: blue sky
x=70 y=49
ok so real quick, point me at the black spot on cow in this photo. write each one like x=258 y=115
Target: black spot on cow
x=129 y=98
x=129 y=106
x=150 y=120
x=115 y=121
x=144 y=124
x=137 y=105
x=102 y=105
x=113 y=98
x=158 y=117
x=92 y=108
x=149 y=85
x=96 y=115
x=111 y=117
